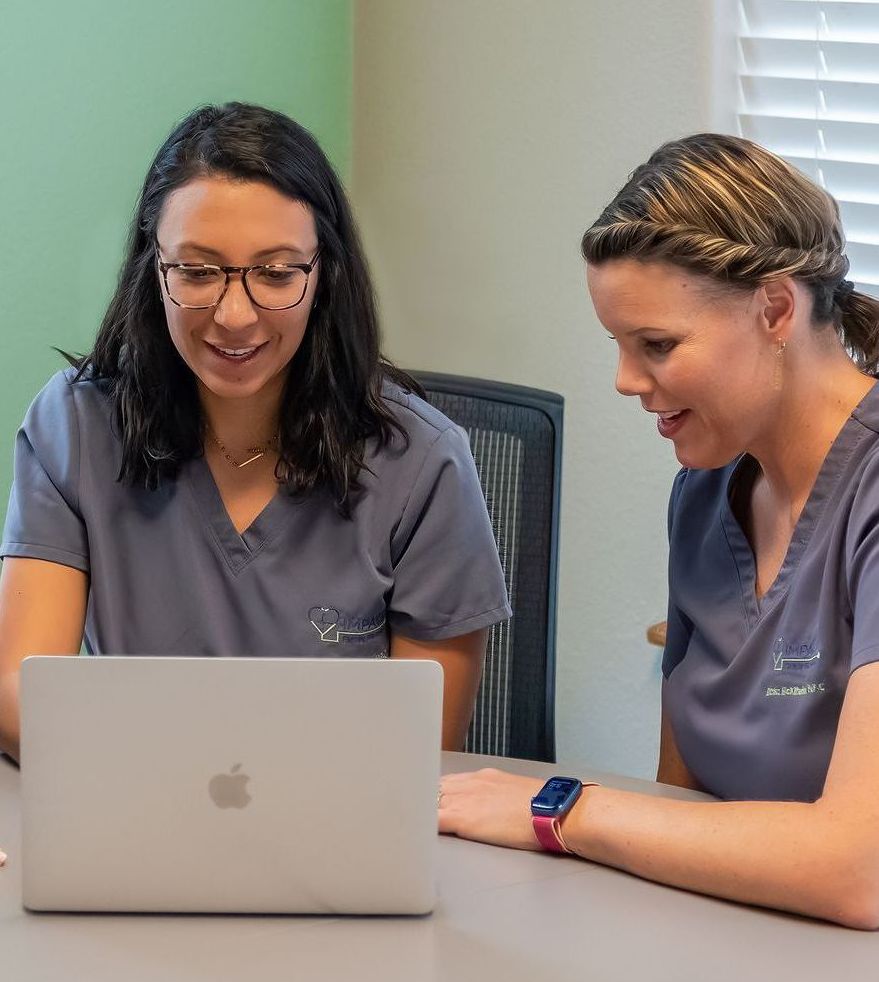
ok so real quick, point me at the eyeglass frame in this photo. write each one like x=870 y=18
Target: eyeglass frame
x=307 y=268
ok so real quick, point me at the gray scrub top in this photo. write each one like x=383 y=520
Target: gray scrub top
x=754 y=689
x=169 y=574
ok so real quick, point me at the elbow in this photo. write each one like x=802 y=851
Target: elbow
x=850 y=895
x=843 y=879
x=858 y=910
x=864 y=918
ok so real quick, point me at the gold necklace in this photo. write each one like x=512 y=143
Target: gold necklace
x=256 y=452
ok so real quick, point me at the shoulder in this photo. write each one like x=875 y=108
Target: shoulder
x=53 y=403
x=63 y=402
x=68 y=421
x=426 y=450
x=415 y=415
x=862 y=479
x=866 y=413
x=428 y=430
x=861 y=488
x=858 y=487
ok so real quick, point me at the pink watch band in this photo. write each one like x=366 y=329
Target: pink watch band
x=548 y=829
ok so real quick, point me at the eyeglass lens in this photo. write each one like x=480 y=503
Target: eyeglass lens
x=272 y=287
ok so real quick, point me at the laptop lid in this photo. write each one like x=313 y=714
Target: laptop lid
x=230 y=784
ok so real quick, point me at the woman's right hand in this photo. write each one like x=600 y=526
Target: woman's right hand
x=489 y=806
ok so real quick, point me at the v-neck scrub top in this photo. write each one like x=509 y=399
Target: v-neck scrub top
x=169 y=574
x=754 y=688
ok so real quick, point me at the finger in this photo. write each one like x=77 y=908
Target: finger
x=445 y=826
x=444 y=801
x=2 y=857
x=448 y=819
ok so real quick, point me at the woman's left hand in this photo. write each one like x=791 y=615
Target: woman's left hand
x=489 y=806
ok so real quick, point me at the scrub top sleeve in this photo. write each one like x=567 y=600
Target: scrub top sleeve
x=864 y=591
x=43 y=520
x=678 y=627
x=448 y=579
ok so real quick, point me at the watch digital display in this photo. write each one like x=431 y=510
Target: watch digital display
x=556 y=796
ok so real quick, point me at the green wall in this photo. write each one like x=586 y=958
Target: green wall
x=88 y=91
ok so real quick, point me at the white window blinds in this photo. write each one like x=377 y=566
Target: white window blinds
x=809 y=91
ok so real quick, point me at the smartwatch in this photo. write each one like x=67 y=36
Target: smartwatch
x=549 y=806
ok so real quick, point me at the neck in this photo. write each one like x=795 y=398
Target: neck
x=246 y=422
x=813 y=405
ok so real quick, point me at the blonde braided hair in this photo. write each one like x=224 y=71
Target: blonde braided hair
x=728 y=209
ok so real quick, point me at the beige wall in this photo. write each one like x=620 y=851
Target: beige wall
x=487 y=135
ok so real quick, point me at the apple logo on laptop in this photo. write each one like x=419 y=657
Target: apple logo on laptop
x=228 y=790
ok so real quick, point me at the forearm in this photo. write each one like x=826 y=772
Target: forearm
x=461 y=659
x=9 y=715
x=789 y=855
x=42 y=611
x=459 y=697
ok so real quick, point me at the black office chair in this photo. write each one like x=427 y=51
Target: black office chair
x=516 y=437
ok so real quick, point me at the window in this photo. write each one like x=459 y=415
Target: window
x=809 y=90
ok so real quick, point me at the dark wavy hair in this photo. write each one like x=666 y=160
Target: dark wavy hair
x=331 y=404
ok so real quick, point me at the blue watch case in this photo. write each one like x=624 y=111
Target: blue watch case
x=556 y=796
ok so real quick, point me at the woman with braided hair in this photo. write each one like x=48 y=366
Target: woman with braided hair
x=720 y=273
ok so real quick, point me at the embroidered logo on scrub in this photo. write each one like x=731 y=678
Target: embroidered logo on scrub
x=334 y=627
x=796 y=656
x=788 y=657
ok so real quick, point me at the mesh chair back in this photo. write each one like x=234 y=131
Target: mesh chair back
x=516 y=437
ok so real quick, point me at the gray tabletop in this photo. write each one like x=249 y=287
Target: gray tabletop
x=502 y=915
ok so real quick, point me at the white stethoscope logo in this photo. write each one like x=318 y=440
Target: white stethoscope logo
x=780 y=656
x=325 y=620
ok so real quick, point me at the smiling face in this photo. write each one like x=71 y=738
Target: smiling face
x=236 y=350
x=701 y=359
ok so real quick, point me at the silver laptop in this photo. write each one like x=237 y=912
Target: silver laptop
x=230 y=784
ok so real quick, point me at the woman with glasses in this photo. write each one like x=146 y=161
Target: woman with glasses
x=234 y=469
x=719 y=272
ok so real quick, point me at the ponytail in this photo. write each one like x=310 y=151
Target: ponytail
x=859 y=327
